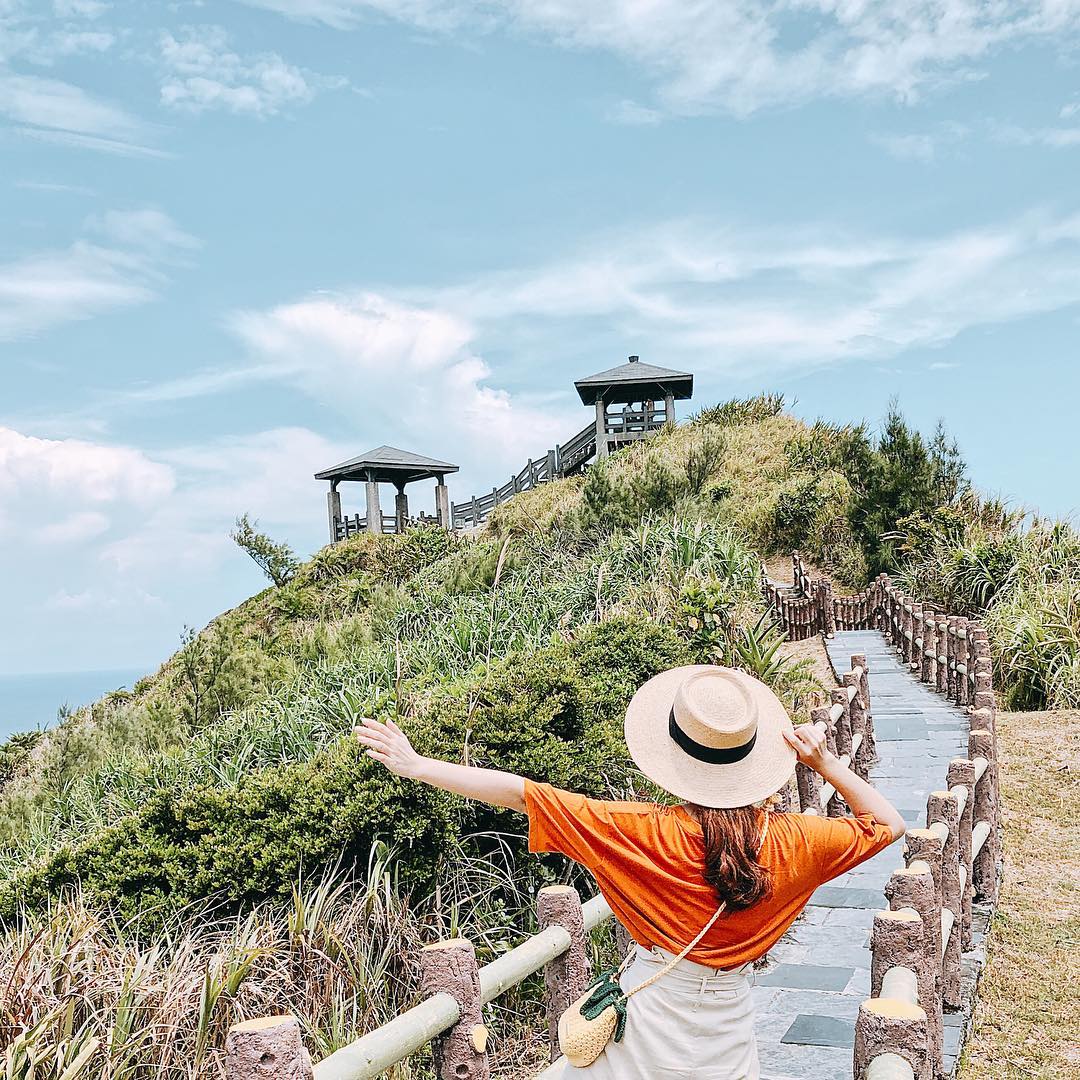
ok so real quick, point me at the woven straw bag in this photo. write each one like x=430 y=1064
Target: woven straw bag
x=599 y=1014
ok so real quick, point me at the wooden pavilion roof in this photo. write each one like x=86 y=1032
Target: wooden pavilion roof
x=635 y=381
x=388 y=464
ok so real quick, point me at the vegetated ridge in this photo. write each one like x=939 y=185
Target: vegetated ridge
x=228 y=778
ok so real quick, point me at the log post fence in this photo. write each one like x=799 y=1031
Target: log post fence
x=951 y=862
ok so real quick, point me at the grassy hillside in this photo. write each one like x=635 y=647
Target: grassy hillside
x=229 y=778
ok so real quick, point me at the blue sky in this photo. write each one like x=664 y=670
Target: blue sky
x=240 y=242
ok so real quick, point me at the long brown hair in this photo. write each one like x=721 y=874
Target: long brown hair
x=732 y=842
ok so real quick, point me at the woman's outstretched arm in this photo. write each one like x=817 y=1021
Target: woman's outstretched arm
x=389 y=745
x=808 y=741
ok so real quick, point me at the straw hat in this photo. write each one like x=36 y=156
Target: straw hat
x=710 y=735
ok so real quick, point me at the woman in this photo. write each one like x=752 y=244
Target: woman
x=722 y=742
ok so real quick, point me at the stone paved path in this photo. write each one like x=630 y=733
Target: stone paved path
x=819 y=972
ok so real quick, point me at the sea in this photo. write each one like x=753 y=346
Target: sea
x=32 y=701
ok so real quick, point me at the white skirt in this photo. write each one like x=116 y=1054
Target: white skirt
x=695 y=1023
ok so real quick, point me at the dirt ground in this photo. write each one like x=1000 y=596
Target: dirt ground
x=1027 y=1019
x=814 y=648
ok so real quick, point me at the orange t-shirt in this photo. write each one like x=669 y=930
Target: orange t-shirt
x=649 y=862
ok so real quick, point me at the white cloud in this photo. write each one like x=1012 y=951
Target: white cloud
x=204 y=73
x=704 y=295
x=907 y=147
x=1056 y=138
x=68 y=491
x=85 y=9
x=407 y=367
x=634 y=114
x=268 y=473
x=50 y=103
x=75 y=528
x=118 y=263
x=55 y=111
x=745 y=54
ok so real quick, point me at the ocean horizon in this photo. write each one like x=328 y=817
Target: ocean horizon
x=32 y=701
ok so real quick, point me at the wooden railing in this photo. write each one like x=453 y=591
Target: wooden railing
x=454 y=992
x=917 y=945
x=809 y=607
x=345 y=527
x=557 y=462
x=560 y=461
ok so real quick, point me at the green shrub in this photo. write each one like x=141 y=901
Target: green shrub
x=392 y=558
x=554 y=714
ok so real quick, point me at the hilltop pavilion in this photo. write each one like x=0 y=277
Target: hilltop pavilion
x=647 y=395
x=386 y=465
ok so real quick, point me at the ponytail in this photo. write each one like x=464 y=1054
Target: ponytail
x=732 y=842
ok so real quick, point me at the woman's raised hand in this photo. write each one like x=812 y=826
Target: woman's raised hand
x=390 y=746
x=809 y=743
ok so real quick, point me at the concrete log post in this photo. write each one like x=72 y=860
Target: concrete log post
x=897 y=941
x=941 y=669
x=809 y=783
x=857 y=718
x=916 y=638
x=886 y=1026
x=950 y=658
x=983 y=689
x=567 y=976
x=788 y=797
x=961 y=696
x=962 y=774
x=266 y=1049
x=924 y=848
x=869 y=740
x=928 y=670
x=984 y=871
x=942 y=806
x=843 y=725
x=449 y=967
x=820 y=715
x=911 y=632
x=828 y=610
x=913 y=887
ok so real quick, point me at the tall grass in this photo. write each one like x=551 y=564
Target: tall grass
x=1022 y=579
x=83 y=997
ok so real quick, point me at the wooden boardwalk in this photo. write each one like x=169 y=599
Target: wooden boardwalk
x=819 y=973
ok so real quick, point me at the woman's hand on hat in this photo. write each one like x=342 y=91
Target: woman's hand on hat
x=389 y=746
x=810 y=745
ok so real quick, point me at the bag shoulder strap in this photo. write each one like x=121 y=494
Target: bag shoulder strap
x=697 y=938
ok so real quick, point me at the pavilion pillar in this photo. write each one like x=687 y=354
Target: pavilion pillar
x=333 y=509
x=601 y=429
x=401 y=509
x=669 y=408
x=374 y=511
x=442 y=503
